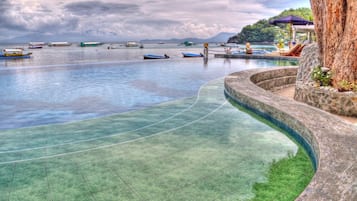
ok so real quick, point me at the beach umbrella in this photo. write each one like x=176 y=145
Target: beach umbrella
x=291 y=20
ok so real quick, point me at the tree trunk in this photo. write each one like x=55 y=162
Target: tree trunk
x=336 y=28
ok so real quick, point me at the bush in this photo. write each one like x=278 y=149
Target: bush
x=324 y=78
x=345 y=85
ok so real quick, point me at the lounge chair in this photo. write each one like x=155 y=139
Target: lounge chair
x=299 y=50
x=294 y=51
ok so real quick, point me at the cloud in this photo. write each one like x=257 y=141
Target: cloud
x=280 y=4
x=6 y=19
x=138 y=19
x=155 y=23
x=95 y=8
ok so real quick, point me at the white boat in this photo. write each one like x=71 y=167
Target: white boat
x=36 y=45
x=133 y=44
x=59 y=44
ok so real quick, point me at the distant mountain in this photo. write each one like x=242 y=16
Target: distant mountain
x=219 y=38
x=70 y=37
x=93 y=35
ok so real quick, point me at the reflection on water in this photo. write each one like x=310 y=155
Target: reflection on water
x=62 y=93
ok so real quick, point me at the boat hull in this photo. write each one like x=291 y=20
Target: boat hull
x=25 y=56
x=188 y=55
x=152 y=56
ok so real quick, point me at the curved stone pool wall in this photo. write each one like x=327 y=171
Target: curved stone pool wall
x=332 y=140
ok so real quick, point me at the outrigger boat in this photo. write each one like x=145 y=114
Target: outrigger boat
x=36 y=45
x=153 y=56
x=90 y=44
x=59 y=44
x=188 y=54
x=14 y=54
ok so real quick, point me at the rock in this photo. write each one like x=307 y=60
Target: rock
x=325 y=69
x=308 y=60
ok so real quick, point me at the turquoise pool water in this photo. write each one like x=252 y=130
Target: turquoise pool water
x=195 y=148
x=100 y=129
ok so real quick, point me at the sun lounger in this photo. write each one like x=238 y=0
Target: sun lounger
x=295 y=51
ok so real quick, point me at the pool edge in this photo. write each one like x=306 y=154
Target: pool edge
x=331 y=139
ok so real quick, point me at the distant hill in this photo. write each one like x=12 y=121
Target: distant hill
x=263 y=32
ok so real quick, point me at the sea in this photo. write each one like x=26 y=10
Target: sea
x=108 y=52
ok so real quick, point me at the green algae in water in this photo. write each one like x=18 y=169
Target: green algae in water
x=287 y=178
x=190 y=149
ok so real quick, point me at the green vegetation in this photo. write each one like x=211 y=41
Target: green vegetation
x=321 y=77
x=287 y=178
x=262 y=31
x=345 y=85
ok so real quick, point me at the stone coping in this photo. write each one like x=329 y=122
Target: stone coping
x=333 y=142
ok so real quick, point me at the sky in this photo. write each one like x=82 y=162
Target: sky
x=134 y=19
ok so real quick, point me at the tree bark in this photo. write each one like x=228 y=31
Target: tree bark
x=336 y=28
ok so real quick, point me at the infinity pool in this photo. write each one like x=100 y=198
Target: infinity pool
x=163 y=131
x=63 y=93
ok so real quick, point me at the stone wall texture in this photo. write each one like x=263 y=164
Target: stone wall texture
x=326 y=98
x=308 y=60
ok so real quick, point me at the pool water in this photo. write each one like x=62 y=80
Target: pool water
x=195 y=148
x=50 y=94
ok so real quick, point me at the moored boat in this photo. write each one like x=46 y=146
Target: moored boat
x=134 y=44
x=90 y=44
x=131 y=44
x=189 y=54
x=188 y=43
x=153 y=56
x=36 y=45
x=14 y=54
x=59 y=44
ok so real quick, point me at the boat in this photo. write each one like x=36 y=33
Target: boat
x=132 y=44
x=188 y=43
x=90 y=44
x=189 y=54
x=153 y=56
x=36 y=45
x=59 y=44
x=14 y=54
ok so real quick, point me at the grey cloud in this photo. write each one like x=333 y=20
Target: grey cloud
x=278 y=4
x=89 y=8
x=63 y=25
x=154 y=22
x=6 y=21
